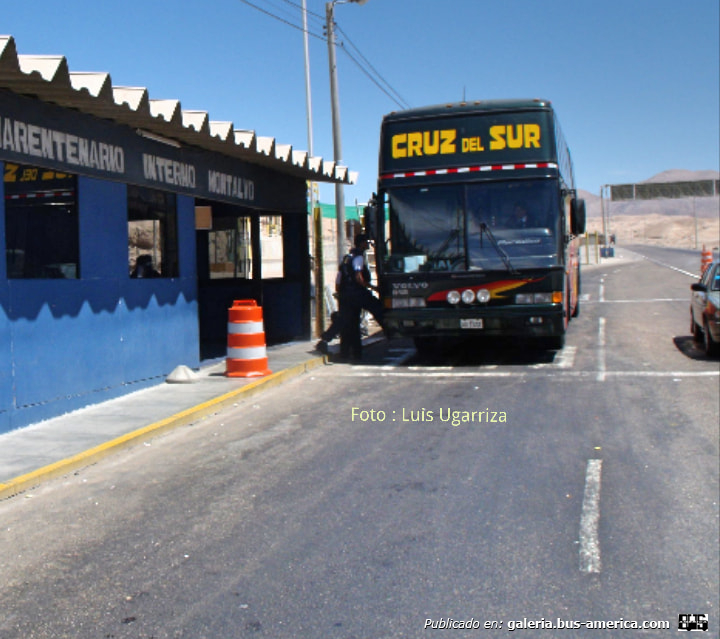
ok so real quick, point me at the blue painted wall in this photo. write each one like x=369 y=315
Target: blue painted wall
x=6 y=379
x=65 y=344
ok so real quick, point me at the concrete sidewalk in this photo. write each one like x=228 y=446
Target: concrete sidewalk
x=58 y=446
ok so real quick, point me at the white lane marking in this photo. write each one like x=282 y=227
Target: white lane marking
x=674 y=268
x=643 y=301
x=601 y=351
x=601 y=292
x=566 y=357
x=390 y=371
x=589 y=519
x=662 y=373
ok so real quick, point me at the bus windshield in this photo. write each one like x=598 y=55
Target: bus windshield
x=477 y=226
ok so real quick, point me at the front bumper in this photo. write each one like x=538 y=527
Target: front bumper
x=535 y=321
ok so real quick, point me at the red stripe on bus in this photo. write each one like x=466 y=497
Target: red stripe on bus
x=485 y=167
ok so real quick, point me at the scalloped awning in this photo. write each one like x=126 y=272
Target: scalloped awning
x=49 y=79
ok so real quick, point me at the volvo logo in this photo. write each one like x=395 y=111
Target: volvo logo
x=409 y=286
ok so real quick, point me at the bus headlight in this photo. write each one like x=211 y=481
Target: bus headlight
x=468 y=296
x=483 y=296
x=453 y=297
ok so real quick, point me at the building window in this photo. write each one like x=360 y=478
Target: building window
x=152 y=233
x=230 y=248
x=41 y=223
x=271 y=242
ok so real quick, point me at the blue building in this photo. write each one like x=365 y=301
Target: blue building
x=129 y=226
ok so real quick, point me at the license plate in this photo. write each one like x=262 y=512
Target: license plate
x=471 y=323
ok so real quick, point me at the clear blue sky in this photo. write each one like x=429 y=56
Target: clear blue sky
x=635 y=82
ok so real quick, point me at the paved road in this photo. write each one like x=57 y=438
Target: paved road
x=575 y=486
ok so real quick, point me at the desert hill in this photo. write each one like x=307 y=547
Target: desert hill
x=685 y=223
x=704 y=206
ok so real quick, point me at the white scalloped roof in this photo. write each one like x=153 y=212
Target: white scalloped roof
x=49 y=79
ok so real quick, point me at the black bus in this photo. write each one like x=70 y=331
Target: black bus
x=477 y=222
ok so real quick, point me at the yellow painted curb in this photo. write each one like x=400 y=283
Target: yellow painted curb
x=93 y=455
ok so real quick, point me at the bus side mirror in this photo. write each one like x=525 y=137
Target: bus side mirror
x=577 y=216
x=370 y=214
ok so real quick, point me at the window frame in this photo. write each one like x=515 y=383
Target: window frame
x=50 y=247
x=158 y=210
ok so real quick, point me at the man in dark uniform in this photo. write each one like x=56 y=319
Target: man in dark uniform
x=353 y=287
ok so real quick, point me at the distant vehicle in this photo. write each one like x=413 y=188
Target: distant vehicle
x=705 y=309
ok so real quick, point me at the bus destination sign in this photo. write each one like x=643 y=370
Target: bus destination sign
x=453 y=142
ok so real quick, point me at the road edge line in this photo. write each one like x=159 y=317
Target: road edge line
x=14 y=487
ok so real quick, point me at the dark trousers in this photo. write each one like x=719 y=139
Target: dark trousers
x=334 y=329
x=374 y=306
x=369 y=302
x=351 y=305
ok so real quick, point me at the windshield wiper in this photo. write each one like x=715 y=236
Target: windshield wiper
x=484 y=228
x=452 y=237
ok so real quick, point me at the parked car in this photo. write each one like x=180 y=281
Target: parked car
x=705 y=309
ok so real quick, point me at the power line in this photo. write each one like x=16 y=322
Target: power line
x=398 y=99
x=365 y=66
x=311 y=14
x=400 y=102
x=283 y=20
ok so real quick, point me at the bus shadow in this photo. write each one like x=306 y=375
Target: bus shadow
x=478 y=351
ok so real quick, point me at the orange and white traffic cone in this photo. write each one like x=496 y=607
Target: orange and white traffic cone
x=246 y=353
x=705 y=259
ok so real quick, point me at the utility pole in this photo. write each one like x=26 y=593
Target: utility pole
x=337 y=143
x=315 y=216
x=308 y=93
